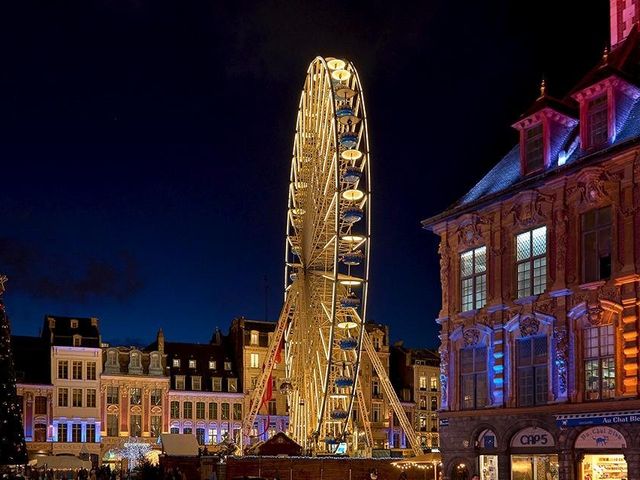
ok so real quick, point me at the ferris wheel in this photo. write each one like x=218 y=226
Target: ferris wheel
x=327 y=248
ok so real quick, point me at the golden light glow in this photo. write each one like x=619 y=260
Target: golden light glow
x=341 y=75
x=344 y=91
x=300 y=185
x=297 y=211
x=336 y=64
x=351 y=154
x=350 y=283
x=347 y=323
x=353 y=195
x=353 y=238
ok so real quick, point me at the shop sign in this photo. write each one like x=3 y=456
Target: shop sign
x=444 y=422
x=608 y=418
x=601 y=437
x=533 y=437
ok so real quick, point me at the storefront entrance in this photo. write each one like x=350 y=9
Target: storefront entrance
x=534 y=467
x=603 y=466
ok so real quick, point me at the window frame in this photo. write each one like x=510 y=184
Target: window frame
x=530 y=262
x=594 y=109
x=532 y=369
x=527 y=141
x=478 y=280
x=601 y=356
x=596 y=230
x=478 y=376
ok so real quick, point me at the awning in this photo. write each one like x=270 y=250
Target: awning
x=61 y=462
x=179 y=444
x=598 y=418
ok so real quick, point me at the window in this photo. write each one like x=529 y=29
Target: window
x=63 y=397
x=255 y=336
x=156 y=425
x=227 y=366
x=156 y=397
x=76 y=370
x=91 y=370
x=62 y=432
x=533 y=149
x=136 y=396
x=91 y=432
x=423 y=383
x=174 y=429
x=533 y=382
x=135 y=425
x=112 y=425
x=213 y=435
x=112 y=358
x=597 y=121
x=434 y=403
x=375 y=388
x=376 y=342
x=200 y=410
x=40 y=405
x=63 y=369
x=74 y=323
x=200 y=435
x=179 y=382
x=77 y=341
x=433 y=383
x=254 y=381
x=196 y=383
x=155 y=361
x=255 y=360
x=192 y=363
x=225 y=412
x=473 y=373
x=175 y=409
x=423 y=402
x=91 y=397
x=176 y=363
x=187 y=410
x=531 y=262
x=76 y=432
x=187 y=430
x=76 y=399
x=216 y=384
x=212 y=364
x=237 y=411
x=232 y=384
x=272 y=407
x=40 y=432
x=112 y=395
x=473 y=273
x=213 y=411
x=599 y=364
x=376 y=413
x=596 y=245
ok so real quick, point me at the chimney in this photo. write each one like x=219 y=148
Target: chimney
x=623 y=16
x=160 y=339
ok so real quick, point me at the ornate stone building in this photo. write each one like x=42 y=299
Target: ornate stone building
x=134 y=388
x=540 y=266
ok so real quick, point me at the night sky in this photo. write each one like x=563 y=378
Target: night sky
x=145 y=145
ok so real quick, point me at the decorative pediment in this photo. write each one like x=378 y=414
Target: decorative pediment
x=592 y=187
x=471 y=336
x=527 y=209
x=529 y=325
x=469 y=231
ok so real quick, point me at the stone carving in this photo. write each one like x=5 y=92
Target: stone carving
x=546 y=307
x=591 y=189
x=444 y=366
x=471 y=337
x=594 y=314
x=445 y=262
x=561 y=238
x=562 y=357
x=611 y=293
x=528 y=211
x=470 y=233
x=529 y=325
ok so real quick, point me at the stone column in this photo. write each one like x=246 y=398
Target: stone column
x=566 y=465
x=632 y=457
x=504 y=466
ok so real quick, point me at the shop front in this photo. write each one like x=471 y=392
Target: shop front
x=533 y=455
x=600 y=452
x=488 y=458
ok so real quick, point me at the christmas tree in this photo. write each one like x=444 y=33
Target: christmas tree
x=13 y=450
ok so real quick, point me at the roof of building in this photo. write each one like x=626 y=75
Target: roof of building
x=506 y=178
x=59 y=331
x=202 y=354
x=32 y=360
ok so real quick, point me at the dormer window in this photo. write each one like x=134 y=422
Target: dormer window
x=212 y=364
x=176 y=363
x=192 y=363
x=74 y=323
x=533 y=149
x=597 y=121
x=77 y=341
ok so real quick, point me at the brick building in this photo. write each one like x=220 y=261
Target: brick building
x=540 y=266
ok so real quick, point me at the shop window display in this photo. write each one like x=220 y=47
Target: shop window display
x=604 y=466
x=488 y=467
x=534 y=467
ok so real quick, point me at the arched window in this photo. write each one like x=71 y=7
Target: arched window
x=598 y=349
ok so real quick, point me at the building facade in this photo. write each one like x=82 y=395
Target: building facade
x=205 y=396
x=250 y=340
x=134 y=388
x=540 y=267
x=416 y=377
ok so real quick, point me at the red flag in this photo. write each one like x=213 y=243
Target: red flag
x=268 y=391
x=278 y=358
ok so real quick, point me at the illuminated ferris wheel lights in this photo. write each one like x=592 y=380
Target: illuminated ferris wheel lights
x=351 y=175
x=353 y=195
x=297 y=211
x=341 y=75
x=351 y=154
x=345 y=92
x=336 y=64
x=346 y=116
x=353 y=258
x=347 y=324
x=348 y=140
x=353 y=238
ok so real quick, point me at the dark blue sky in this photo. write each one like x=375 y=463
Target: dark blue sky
x=145 y=145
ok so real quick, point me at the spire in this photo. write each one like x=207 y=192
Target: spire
x=160 y=339
x=543 y=88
